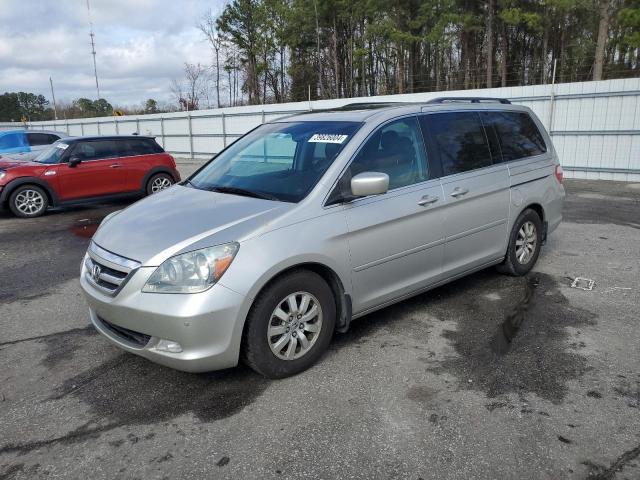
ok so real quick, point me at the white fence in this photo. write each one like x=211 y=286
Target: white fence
x=595 y=125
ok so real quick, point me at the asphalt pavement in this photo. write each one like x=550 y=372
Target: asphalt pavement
x=488 y=377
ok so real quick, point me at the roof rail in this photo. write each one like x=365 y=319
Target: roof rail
x=469 y=99
x=366 y=106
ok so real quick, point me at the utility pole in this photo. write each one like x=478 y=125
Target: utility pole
x=93 y=48
x=55 y=110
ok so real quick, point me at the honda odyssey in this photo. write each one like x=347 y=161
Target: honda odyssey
x=311 y=221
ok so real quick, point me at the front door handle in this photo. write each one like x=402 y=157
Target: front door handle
x=459 y=192
x=115 y=165
x=427 y=200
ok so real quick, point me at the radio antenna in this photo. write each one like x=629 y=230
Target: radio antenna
x=93 y=47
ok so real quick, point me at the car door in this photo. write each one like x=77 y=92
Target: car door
x=396 y=240
x=475 y=187
x=13 y=142
x=97 y=174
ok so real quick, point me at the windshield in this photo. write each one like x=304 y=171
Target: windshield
x=279 y=161
x=52 y=153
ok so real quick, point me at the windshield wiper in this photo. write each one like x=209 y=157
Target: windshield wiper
x=242 y=191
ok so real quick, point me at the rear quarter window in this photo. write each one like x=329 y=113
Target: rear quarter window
x=139 y=146
x=517 y=133
x=37 y=139
x=460 y=140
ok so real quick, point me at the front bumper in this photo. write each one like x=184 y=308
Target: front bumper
x=207 y=325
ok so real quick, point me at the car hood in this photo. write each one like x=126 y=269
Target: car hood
x=13 y=161
x=20 y=157
x=181 y=219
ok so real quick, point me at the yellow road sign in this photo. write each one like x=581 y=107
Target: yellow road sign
x=118 y=113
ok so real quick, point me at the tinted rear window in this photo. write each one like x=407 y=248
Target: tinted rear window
x=139 y=146
x=460 y=140
x=36 y=139
x=518 y=134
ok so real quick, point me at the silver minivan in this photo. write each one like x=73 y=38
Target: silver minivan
x=311 y=221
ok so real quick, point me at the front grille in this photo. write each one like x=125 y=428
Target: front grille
x=106 y=271
x=131 y=336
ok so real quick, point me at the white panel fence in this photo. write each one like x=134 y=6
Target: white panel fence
x=595 y=125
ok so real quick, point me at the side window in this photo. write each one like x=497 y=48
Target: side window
x=37 y=139
x=396 y=149
x=96 y=150
x=518 y=134
x=460 y=140
x=138 y=146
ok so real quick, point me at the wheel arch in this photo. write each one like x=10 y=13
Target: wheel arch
x=341 y=298
x=536 y=207
x=539 y=209
x=154 y=171
x=18 y=182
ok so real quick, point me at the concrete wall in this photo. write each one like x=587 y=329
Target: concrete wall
x=595 y=125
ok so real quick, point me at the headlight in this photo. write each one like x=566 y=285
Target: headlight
x=2 y=175
x=192 y=272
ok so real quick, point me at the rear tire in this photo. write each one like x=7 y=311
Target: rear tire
x=296 y=306
x=524 y=244
x=159 y=182
x=28 y=201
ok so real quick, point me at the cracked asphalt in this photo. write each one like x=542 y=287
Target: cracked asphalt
x=488 y=377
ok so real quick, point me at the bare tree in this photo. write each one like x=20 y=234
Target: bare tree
x=209 y=29
x=177 y=91
x=195 y=77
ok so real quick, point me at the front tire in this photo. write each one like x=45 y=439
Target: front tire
x=290 y=325
x=159 y=182
x=524 y=244
x=28 y=201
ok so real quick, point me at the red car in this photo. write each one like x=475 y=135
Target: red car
x=82 y=169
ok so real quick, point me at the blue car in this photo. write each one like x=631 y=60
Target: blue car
x=26 y=143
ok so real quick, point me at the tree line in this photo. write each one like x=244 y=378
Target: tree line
x=265 y=51
x=30 y=107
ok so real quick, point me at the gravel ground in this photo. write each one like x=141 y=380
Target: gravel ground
x=429 y=388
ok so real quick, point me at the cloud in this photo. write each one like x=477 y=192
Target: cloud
x=141 y=45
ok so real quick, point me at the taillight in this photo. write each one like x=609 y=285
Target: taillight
x=559 y=174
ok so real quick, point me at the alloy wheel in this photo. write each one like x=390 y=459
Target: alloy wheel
x=29 y=202
x=294 y=326
x=526 y=242
x=160 y=183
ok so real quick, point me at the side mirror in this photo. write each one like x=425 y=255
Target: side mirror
x=74 y=161
x=369 y=183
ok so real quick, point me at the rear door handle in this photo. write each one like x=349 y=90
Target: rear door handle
x=427 y=200
x=116 y=165
x=459 y=192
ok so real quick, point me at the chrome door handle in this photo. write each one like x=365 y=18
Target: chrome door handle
x=115 y=165
x=427 y=200
x=459 y=192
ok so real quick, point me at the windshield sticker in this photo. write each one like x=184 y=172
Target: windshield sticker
x=328 y=138
x=63 y=146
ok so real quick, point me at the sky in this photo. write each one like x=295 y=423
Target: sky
x=140 y=46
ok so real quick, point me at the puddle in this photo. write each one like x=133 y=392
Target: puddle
x=85 y=228
x=510 y=327
x=129 y=390
x=518 y=345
